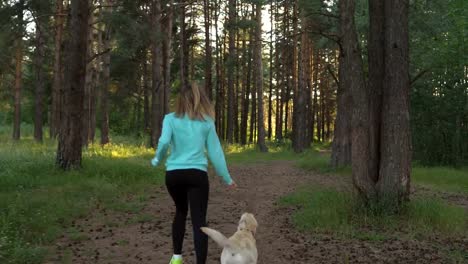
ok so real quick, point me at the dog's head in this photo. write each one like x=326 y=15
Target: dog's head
x=248 y=223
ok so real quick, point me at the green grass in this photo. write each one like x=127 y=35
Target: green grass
x=442 y=178
x=250 y=154
x=437 y=178
x=336 y=212
x=39 y=201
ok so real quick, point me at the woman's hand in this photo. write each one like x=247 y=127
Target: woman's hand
x=154 y=162
x=233 y=185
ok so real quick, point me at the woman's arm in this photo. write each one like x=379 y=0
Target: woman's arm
x=216 y=155
x=164 y=142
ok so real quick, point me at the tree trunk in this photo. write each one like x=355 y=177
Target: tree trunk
x=308 y=80
x=294 y=71
x=279 y=94
x=253 y=95
x=236 y=92
x=167 y=59
x=55 y=111
x=315 y=94
x=18 y=72
x=341 y=148
x=146 y=94
x=395 y=161
x=352 y=77
x=93 y=102
x=259 y=79
x=89 y=83
x=40 y=82
x=218 y=105
x=69 y=147
x=375 y=47
x=184 y=49
x=270 y=92
x=230 y=66
x=157 y=102
x=105 y=88
x=300 y=96
x=246 y=88
x=208 y=52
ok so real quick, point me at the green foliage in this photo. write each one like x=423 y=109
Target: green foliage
x=340 y=213
x=440 y=96
x=38 y=200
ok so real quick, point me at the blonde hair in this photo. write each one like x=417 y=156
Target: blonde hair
x=194 y=102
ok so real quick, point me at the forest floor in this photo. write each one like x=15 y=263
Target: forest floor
x=144 y=236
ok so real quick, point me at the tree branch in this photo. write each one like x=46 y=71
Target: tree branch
x=98 y=55
x=419 y=75
x=333 y=75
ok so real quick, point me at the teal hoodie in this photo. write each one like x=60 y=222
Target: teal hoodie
x=188 y=140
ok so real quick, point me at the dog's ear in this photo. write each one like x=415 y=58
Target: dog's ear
x=249 y=222
x=253 y=224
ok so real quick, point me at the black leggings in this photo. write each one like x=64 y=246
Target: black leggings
x=189 y=187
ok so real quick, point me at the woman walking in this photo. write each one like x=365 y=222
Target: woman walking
x=190 y=131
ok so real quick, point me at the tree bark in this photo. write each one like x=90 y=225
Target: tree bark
x=353 y=77
x=146 y=94
x=69 y=147
x=89 y=83
x=300 y=98
x=55 y=116
x=106 y=59
x=316 y=62
x=259 y=79
x=208 y=50
x=375 y=48
x=157 y=102
x=18 y=72
x=270 y=92
x=184 y=49
x=167 y=58
x=395 y=161
x=341 y=148
x=230 y=65
x=219 y=97
x=40 y=85
x=246 y=60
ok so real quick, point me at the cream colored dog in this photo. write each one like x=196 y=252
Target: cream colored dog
x=241 y=247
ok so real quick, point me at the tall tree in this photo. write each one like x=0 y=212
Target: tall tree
x=231 y=61
x=157 y=102
x=55 y=111
x=259 y=77
x=375 y=48
x=352 y=77
x=300 y=96
x=270 y=92
x=341 y=147
x=208 y=49
x=184 y=47
x=106 y=61
x=395 y=146
x=90 y=81
x=40 y=78
x=247 y=63
x=18 y=70
x=69 y=148
x=167 y=55
x=388 y=181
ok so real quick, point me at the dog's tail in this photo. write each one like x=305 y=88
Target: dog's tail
x=219 y=238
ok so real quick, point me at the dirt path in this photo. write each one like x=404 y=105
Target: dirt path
x=114 y=239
